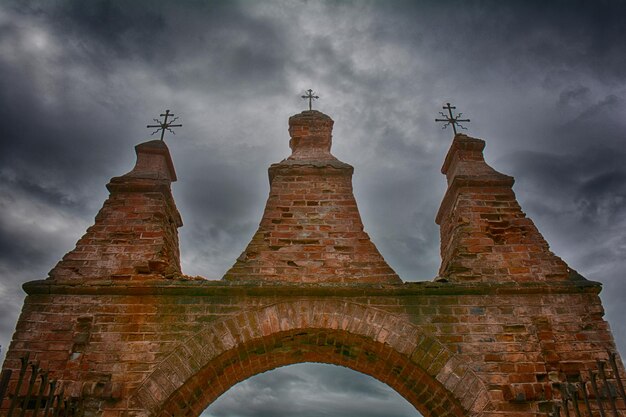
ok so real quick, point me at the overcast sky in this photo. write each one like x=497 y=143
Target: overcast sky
x=544 y=83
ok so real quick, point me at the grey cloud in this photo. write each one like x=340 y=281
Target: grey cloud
x=60 y=139
x=19 y=252
x=573 y=95
x=9 y=310
x=117 y=23
x=492 y=41
x=54 y=195
x=600 y=120
x=319 y=390
x=578 y=193
x=337 y=379
x=603 y=197
x=190 y=45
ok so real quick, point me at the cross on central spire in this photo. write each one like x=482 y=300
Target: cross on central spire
x=164 y=125
x=311 y=97
x=450 y=119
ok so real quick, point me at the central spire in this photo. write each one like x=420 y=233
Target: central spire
x=311 y=230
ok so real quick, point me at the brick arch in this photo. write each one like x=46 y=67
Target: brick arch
x=362 y=338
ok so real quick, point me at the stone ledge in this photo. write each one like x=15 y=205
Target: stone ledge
x=309 y=168
x=238 y=288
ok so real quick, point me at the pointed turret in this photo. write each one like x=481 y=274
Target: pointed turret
x=135 y=233
x=311 y=230
x=485 y=236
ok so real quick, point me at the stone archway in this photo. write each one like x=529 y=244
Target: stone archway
x=365 y=339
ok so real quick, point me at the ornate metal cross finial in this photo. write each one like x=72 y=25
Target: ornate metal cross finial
x=311 y=97
x=450 y=119
x=164 y=125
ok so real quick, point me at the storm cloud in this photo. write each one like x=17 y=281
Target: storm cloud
x=311 y=390
x=544 y=83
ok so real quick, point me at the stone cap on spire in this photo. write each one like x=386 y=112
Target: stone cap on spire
x=310 y=143
x=311 y=136
x=465 y=159
x=153 y=161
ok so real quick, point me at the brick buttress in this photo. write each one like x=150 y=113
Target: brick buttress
x=135 y=235
x=485 y=236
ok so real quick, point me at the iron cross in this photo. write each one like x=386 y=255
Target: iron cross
x=451 y=120
x=311 y=97
x=164 y=125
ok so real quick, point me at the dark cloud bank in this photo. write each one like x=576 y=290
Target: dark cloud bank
x=543 y=82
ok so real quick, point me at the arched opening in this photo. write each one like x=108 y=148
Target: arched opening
x=386 y=346
x=329 y=346
x=310 y=390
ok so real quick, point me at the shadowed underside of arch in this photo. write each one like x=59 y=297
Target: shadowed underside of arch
x=358 y=337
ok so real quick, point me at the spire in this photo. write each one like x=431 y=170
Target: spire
x=135 y=233
x=485 y=236
x=311 y=230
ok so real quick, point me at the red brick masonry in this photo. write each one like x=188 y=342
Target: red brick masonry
x=135 y=234
x=485 y=236
x=311 y=230
x=122 y=329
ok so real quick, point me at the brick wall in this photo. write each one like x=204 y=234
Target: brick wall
x=450 y=349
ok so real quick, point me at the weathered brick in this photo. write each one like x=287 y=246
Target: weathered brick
x=325 y=241
x=492 y=344
x=480 y=216
x=117 y=246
